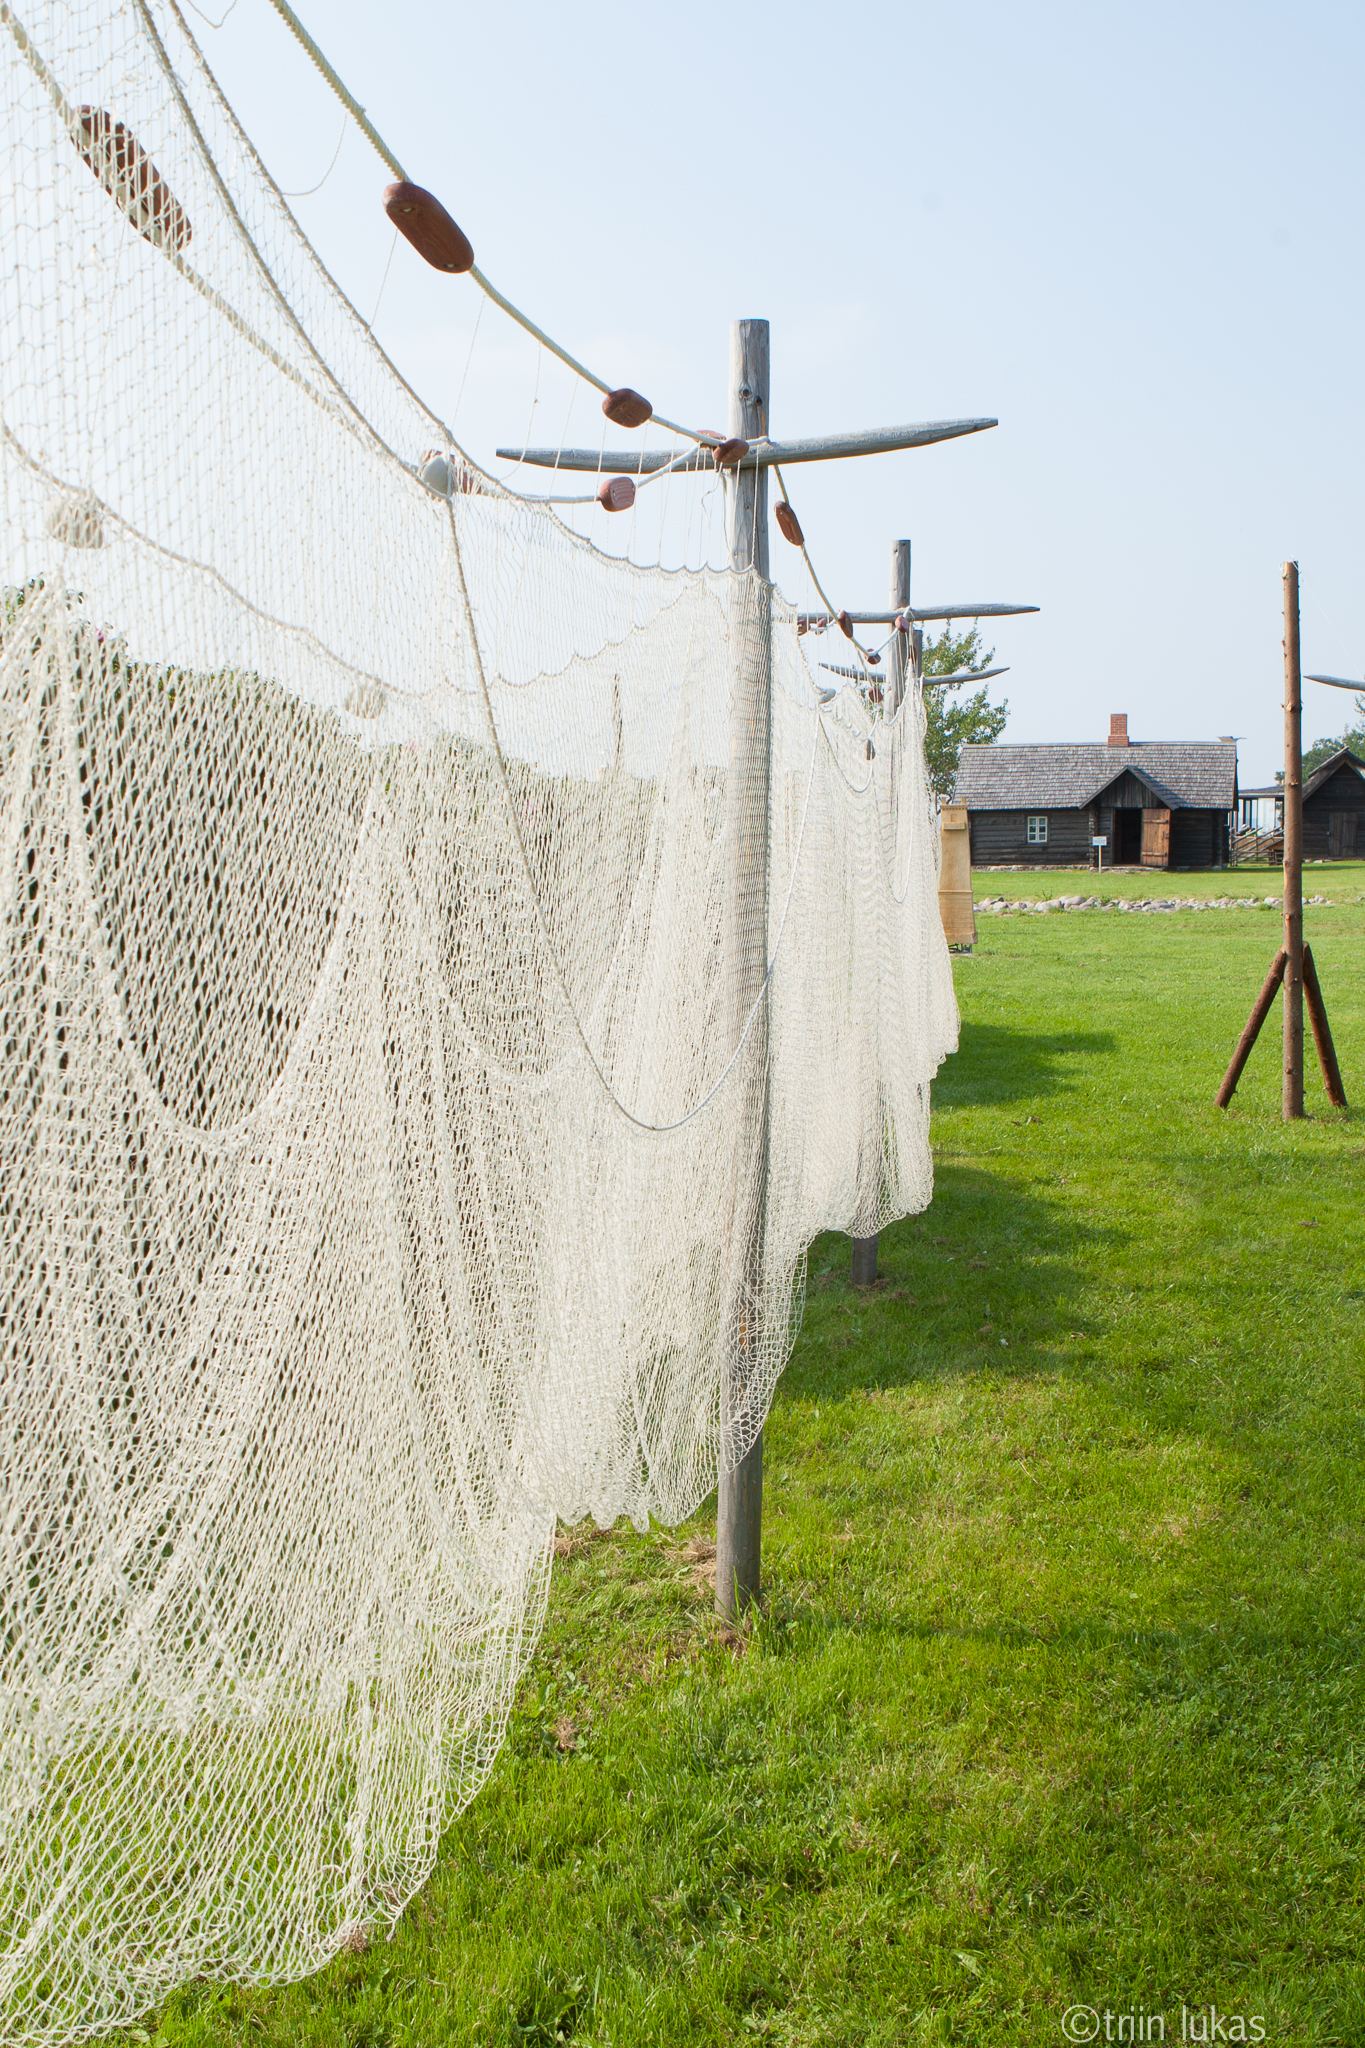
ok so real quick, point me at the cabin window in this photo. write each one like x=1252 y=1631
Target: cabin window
x=1037 y=831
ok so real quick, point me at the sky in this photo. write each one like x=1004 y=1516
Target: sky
x=1132 y=233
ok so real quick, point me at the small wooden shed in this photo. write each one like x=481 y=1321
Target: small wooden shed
x=1334 y=809
x=1157 y=803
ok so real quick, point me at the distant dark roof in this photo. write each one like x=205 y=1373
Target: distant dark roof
x=1188 y=774
x=1343 y=758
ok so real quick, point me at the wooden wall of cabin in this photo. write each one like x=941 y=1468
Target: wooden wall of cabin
x=1198 y=839
x=1195 y=839
x=1343 y=798
x=1000 y=838
x=1129 y=794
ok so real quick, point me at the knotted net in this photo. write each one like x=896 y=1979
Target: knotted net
x=412 y=1116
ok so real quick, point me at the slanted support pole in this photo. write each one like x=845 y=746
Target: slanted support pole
x=1317 y=1017
x=864 y=1260
x=739 y=1500
x=1322 y=1032
x=1252 y=1030
x=1292 y=1094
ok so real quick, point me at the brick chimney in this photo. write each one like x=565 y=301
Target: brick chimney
x=1118 y=729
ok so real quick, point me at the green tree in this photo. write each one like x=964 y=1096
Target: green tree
x=1323 y=750
x=951 y=723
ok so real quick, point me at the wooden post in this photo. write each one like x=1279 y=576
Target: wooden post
x=863 y=1270
x=864 y=1265
x=1292 y=1097
x=739 y=1499
x=900 y=597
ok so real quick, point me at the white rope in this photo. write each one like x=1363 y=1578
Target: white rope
x=352 y=105
x=336 y=153
x=288 y=16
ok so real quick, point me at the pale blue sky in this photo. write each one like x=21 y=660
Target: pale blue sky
x=1131 y=233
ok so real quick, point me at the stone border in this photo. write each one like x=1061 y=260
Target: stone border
x=998 y=905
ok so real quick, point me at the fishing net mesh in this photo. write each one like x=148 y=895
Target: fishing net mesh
x=415 y=1103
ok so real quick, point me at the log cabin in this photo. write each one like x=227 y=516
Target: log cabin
x=1333 y=809
x=1157 y=803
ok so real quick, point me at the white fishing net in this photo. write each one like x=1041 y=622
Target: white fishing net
x=389 y=1069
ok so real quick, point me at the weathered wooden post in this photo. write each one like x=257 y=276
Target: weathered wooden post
x=863 y=1268
x=739 y=1500
x=1292 y=1095
x=900 y=598
x=739 y=1506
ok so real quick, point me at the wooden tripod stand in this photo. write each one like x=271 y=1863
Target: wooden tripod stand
x=1317 y=1017
x=1293 y=964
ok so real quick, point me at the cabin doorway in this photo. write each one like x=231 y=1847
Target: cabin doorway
x=1127 y=836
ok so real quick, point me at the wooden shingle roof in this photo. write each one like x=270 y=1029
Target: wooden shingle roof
x=1188 y=774
x=1343 y=758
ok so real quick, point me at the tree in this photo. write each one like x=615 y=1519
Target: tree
x=1323 y=750
x=951 y=723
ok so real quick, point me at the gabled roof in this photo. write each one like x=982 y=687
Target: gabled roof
x=1148 y=780
x=1186 y=774
x=1343 y=758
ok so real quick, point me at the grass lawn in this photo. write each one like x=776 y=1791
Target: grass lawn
x=1057 y=1699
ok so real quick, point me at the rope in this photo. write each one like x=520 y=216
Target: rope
x=331 y=166
x=351 y=104
x=70 y=120
x=859 y=650
x=292 y=22
x=523 y=320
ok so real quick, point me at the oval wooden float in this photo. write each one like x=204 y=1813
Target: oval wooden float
x=617 y=494
x=626 y=408
x=419 y=216
x=130 y=178
x=730 y=453
x=845 y=624
x=789 y=526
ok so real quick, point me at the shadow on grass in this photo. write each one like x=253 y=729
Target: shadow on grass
x=1169 y=1661
x=995 y=1064
x=988 y=1260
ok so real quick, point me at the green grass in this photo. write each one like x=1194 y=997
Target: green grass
x=1057 y=1695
